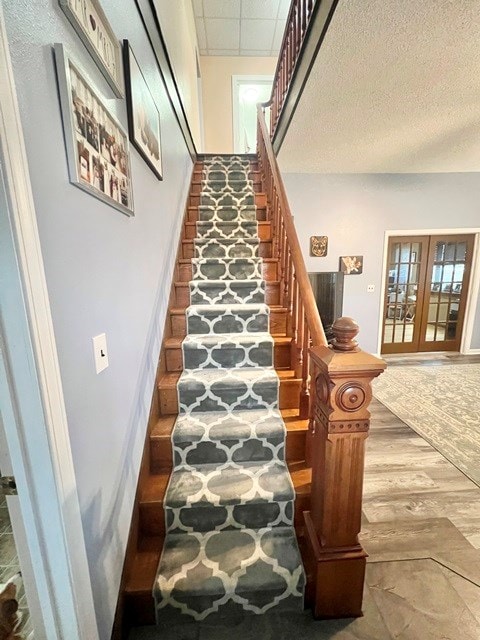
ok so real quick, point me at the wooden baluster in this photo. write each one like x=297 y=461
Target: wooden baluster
x=335 y=559
x=290 y=294
x=293 y=346
x=304 y=17
x=304 y=390
x=299 y=344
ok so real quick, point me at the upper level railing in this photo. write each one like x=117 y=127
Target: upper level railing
x=296 y=27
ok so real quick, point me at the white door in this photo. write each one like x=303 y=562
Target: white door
x=247 y=92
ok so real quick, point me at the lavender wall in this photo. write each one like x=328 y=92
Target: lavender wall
x=105 y=273
x=355 y=211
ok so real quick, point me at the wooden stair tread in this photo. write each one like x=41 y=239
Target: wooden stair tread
x=163 y=427
x=143 y=571
x=154 y=488
x=185 y=283
x=301 y=474
x=189 y=260
x=175 y=342
x=292 y=420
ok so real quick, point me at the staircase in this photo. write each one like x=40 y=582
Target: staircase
x=216 y=492
x=230 y=546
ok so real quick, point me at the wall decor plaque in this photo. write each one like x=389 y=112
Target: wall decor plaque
x=351 y=265
x=318 y=246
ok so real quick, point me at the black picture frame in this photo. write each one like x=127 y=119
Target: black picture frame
x=144 y=127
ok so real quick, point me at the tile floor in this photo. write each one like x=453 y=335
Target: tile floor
x=9 y=566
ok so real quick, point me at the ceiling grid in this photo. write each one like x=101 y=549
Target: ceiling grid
x=240 y=27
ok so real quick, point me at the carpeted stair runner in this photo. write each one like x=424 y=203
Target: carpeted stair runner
x=230 y=547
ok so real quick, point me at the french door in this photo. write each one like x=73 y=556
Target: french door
x=426 y=292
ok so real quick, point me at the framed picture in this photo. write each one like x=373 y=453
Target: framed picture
x=143 y=116
x=318 y=246
x=351 y=265
x=97 y=145
x=91 y=24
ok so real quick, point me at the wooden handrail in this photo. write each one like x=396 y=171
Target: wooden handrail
x=297 y=24
x=304 y=325
x=334 y=396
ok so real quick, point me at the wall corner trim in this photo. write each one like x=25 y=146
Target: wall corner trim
x=75 y=591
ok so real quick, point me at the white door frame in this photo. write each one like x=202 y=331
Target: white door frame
x=237 y=81
x=36 y=427
x=473 y=291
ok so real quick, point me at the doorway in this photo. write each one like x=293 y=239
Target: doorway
x=247 y=91
x=426 y=290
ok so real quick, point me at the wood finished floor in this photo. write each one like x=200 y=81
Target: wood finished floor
x=421 y=528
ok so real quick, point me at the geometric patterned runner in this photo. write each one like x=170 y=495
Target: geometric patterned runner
x=230 y=543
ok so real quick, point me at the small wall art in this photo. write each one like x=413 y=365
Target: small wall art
x=91 y=24
x=96 y=143
x=318 y=246
x=351 y=265
x=143 y=116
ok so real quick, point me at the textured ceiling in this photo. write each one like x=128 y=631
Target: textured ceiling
x=395 y=88
x=240 y=27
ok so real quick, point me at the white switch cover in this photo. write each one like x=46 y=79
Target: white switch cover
x=370 y=288
x=100 y=352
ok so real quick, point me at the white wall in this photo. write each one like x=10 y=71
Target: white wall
x=355 y=211
x=217 y=72
x=105 y=273
x=178 y=29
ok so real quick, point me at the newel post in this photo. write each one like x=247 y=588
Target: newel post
x=341 y=393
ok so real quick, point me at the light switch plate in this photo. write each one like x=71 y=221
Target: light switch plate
x=100 y=352
x=370 y=288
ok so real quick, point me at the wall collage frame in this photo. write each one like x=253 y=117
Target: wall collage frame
x=97 y=145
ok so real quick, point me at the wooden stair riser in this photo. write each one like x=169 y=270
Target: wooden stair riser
x=174 y=357
x=278 y=322
x=269 y=271
x=193 y=216
x=264 y=230
x=288 y=396
x=182 y=293
x=161 y=460
x=260 y=199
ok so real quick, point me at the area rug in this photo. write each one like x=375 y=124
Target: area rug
x=442 y=404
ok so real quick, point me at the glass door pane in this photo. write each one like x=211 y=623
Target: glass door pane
x=405 y=271
x=447 y=279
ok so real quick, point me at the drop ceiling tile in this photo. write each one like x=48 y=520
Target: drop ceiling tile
x=260 y=9
x=257 y=34
x=255 y=53
x=284 y=9
x=198 y=8
x=278 y=37
x=223 y=52
x=222 y=33
x=221 y=8
x=201 y=36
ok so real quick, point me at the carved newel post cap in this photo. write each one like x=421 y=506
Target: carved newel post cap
x=345 y=330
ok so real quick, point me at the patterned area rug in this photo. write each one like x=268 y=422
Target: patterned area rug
x=440 y=403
